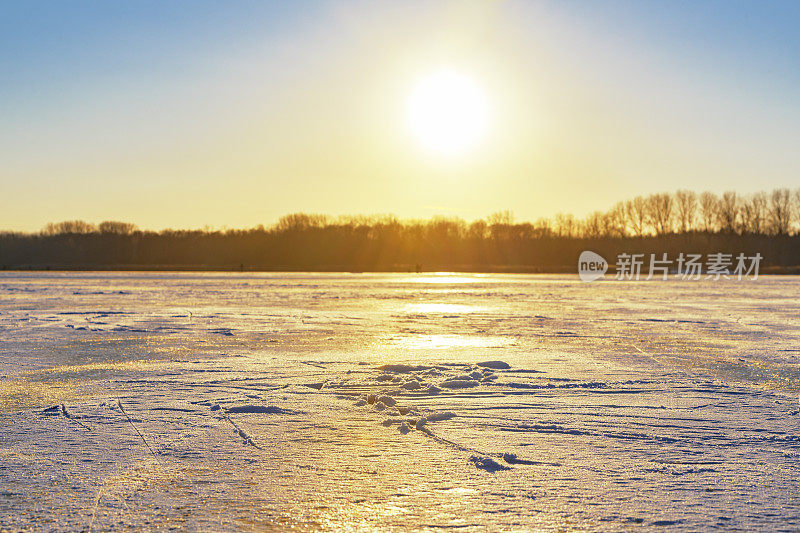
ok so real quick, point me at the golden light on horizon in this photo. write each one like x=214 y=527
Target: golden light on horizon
x=448 y=112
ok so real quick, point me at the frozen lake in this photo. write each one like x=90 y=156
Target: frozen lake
x=149 y=401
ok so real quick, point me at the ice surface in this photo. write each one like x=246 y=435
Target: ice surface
x=248 y=402
x=459 y=383
x=263 y=409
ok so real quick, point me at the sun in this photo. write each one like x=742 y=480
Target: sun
x=448 y=112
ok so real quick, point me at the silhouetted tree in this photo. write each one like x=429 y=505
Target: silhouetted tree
x=709 y=209
x=659 y=213
x=565 y=225
x=615 y=221
x=780 y=211
x=753 y=213
x=636 y=214
x=728 y=212
x=685 y=209
x=116 y=228
x=67 y=227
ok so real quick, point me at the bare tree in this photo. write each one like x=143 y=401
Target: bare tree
x=728 y=212
x=796 y=210
x=685 y=209
x=592 y=226
x=501 y=218
x=116 y=228
x=636 y=213
x=659 y=213
x=542 y=228
x=69 y=227
x=753 y=211
x=565 y=225
x=779 y=212
x=501 y=225
x=709 y=205
x=444 y=228
x=478 y=230
x=616 y=222
x=300 y=221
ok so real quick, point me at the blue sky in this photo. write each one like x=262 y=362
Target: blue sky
x=186 y=114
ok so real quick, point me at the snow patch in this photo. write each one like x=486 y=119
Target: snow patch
x=437 y=417
x=497 y=365
x=388 y=401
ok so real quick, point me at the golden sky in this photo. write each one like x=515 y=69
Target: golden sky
x=198 y=114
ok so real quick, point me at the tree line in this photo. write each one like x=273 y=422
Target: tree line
x=765 y=222
x=761 y=213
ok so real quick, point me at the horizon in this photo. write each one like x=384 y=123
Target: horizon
x=761 y=212
x=192 y=115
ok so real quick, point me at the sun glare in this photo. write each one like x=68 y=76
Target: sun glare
x=448 y=112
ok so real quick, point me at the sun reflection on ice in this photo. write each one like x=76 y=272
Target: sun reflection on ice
x=443 y=308
x=454 y=341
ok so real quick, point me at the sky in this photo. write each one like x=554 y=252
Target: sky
x=231 y=114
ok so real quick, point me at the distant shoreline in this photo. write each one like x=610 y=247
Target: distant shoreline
x=572 y=269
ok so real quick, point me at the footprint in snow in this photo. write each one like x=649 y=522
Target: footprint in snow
x=487 y=463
